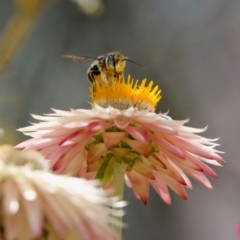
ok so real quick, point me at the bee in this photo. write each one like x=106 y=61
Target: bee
x=107 y=67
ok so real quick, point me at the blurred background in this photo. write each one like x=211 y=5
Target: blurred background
x=190 y=48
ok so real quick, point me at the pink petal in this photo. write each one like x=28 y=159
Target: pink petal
x=121 y=124
x=10 y=198
x=184 y=176
x=161 y=188
x=194 y=130
x=44 y=118
x=130 y=112
x=147 y=119
x=27 y=129
x=15 y=225
x=143 y=170
x=31 y=205
x=159 y=128
x=70 y=136
x=217 y=157
x=71 y=215
x=11 y=207
x=143 y=149
x=75 y=163
x=112 y=138
x=167 y=146
x=96 y=151
x=207 y=170
x=76 y=138
x=97 y=126
x=170 y=170
x=174 y=185
x=69 y=156
x=200 y=177
x=58 y=132
x=49 y=150
x=186 y=162
x=87 y=175
x=157 y=162
x=60 y=160
x=26 y=143
x=75 y=125
x=94 y=166
x=40 y=126
x=39 y=144
x=53 y=212
x=82 y=169
x=57 y=154
x=210 y=161
x=43 y=126
x=189 y=146
x=140 y=185
x=147 y=163
x=139 y=134
x=58 y=205
x=62 y=113
x=83 y=229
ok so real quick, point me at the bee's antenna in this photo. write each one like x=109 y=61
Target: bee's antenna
x=126 y=59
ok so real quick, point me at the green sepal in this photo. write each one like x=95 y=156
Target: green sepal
x=98 y=138
x=102 y=169
x=109 y=171
x=125 y=145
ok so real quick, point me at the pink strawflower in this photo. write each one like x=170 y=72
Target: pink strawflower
x=122 y=126
x=36 y=204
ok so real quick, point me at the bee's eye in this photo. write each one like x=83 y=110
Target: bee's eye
x=110 y=62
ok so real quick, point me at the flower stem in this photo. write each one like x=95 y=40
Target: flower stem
x=119 y=169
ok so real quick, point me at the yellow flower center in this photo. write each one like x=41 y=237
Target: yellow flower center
x=125 y=94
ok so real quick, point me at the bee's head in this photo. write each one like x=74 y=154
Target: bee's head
x=116 y=63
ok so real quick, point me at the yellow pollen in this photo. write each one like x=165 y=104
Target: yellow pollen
x=125 y=94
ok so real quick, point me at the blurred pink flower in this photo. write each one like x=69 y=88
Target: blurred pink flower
x=238 y=230
x=159 y=151
x=37 y=204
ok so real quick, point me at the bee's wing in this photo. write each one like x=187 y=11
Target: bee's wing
x=80 y=59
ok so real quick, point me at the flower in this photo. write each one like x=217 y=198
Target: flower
x=238 y=230
x=122 y=126
x=42 y=205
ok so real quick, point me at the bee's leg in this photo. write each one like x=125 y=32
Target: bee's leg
x=93 y=73
x=90 y=78
x=121 y=78
x=105 y=77
x=118 y=77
